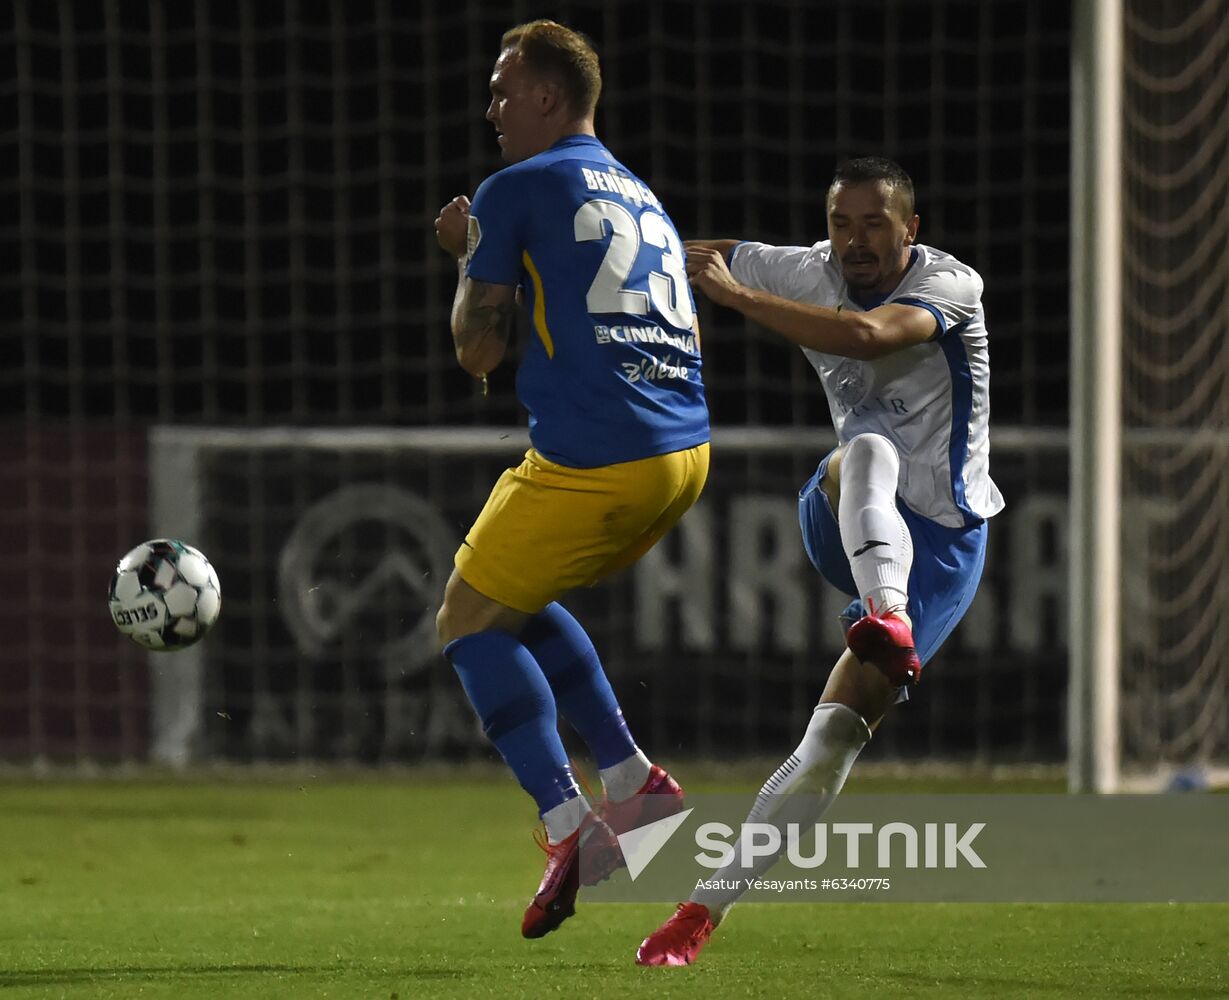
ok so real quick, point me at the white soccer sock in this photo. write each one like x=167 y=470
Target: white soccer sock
x=624 y=779
x=564 y=819
x=816 y=771
x=875 y=536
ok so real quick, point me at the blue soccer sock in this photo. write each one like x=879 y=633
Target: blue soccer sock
x=517 y=709
x=566 y=655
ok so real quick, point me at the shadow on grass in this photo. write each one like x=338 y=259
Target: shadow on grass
x=10 y=978
x=974 y=985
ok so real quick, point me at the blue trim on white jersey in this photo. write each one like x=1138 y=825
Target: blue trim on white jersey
x=939 y=318
x=962 y=410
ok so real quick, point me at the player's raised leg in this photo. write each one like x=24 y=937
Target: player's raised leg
x=636 y=790
x=517 y=709
x=856 y=695
x=880 y=552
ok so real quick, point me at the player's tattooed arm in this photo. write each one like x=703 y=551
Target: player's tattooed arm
x=482 y=317
x=481 y=312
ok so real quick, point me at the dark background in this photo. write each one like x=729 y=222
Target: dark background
x=221 y=211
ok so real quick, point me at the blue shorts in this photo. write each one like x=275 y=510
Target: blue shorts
x=947 y=564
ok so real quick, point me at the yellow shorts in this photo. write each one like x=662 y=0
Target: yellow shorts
x=548 y=528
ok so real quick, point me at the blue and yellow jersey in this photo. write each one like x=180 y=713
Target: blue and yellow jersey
x=612 y=371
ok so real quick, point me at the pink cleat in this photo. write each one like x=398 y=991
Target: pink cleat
x=678 y=941
x=887 y=642
x=556 y=897
x=660 y=796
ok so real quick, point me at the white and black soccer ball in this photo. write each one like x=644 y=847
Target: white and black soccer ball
x=165 y=595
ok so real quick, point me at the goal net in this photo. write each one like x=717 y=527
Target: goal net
x=1175 y=483
x=221 y=217
x=333 y=547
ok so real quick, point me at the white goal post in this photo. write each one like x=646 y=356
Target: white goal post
x=1096 y=421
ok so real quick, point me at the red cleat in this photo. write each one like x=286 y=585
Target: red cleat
x=678 y=941
x=887 y=642
x=556 y=897
x=660 y=796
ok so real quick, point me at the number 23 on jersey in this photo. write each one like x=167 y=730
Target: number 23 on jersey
x=614 y=288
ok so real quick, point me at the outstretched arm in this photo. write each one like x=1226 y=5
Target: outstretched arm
x=864 y=335
x=482 y=312
x=723 y=247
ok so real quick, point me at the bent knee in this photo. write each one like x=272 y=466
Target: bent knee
x=871 y=458
x=455 y=618
x=871 y=445
x=452 y=623
x=445 y=627
x=465 y=612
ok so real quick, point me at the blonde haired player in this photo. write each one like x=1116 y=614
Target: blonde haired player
x=619 y=426
x=896 y=515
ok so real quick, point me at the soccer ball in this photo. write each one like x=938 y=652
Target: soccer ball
x=164 y=595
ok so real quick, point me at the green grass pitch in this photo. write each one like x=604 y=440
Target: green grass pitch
x=408 y=886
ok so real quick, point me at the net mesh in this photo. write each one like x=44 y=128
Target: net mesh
x=223 y=210
x=221 y=214
x=333 y=551
x=1175 y=394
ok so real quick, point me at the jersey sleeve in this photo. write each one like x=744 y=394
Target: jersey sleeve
x=950 y=291
x=497 y=218
x=777 y=270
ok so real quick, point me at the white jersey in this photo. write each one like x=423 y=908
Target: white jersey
x=932 y=400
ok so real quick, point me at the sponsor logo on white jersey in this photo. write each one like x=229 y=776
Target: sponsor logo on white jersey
x=850 y=382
